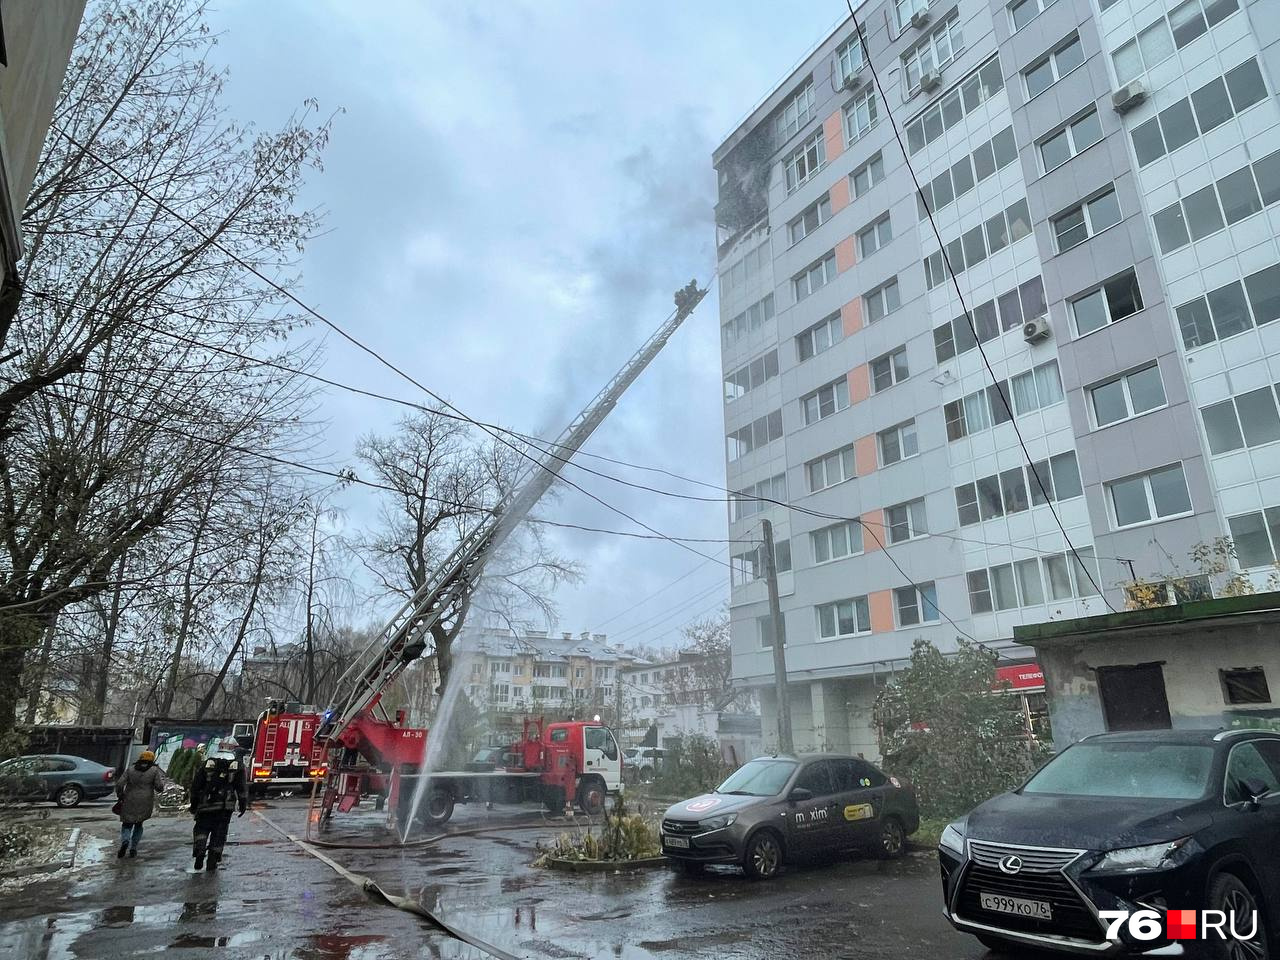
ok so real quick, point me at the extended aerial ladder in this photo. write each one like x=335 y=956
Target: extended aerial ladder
x=356 y=722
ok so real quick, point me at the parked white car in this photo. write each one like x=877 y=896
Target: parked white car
x=642 y=763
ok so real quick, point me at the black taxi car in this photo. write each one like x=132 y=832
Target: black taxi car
x=773 y=810
x=1158 y=820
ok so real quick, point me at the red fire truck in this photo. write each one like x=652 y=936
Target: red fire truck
x=553 y=764
x=286 y=756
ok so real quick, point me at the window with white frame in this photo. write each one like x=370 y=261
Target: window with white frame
x=897 y=443
x=860 y=115
x=867 y=176
x=1256 y=537
x=1118 y=298
x=916 y=604
x=1238 y=195
x=1074 y=226
x=1073 y=138
x=825 y=401
x=1248 y=419
x=822 y=336
x=1157 y=495
x=1125 y=397
x=816 y=214
x=754 y=374
x=750 y=264
x=758 y=497
x=906 y=8
x=1036 y=388
x=850 y=56
x=966 y=173
x=1019 y=489
x=1052 y=67
x=1009 y=311
x=1032 y=582
x=836 y=541
x=979 y=243
x=874 y=236
x=1231 y=309
x=500 y=666
x=881 y=301
x=954 y=104
x=796 y=112
x=1214 y=103
x=500 y=692
x=1022 y=12
x=1194 y=18
x=814 y=277
x=1152 y=45
x=889 y=369
x=748 y=566
x=747 y=322
x=844 y=618
x=906 y=521
x=835 y=467
x=933 y=53
x=754 y=435
x=808 y=159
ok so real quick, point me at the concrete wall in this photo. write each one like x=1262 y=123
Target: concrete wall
x=1191 y=665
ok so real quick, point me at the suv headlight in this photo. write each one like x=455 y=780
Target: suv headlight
x=718 y=823
x=1137 y=859
x=953 y=838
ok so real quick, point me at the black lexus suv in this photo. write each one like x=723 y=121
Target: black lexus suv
x=1161 y=820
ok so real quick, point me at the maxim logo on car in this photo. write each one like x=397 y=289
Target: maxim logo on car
x=1011 y=864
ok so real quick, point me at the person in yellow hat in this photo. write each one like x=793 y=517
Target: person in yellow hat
x=137 y=791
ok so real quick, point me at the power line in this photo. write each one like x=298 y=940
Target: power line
x=143 y=191
x=680 y=579
x=728 y=495
x=346 y=476
x=955 y=282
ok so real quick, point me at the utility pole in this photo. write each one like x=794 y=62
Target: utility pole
x=785 y=743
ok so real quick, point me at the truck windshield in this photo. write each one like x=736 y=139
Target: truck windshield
x=1136 y=769
x=759 y=778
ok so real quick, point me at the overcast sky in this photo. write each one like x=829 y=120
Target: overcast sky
x=513 y=193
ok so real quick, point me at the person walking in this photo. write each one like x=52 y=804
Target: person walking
x=217 y=789
x=136 y=791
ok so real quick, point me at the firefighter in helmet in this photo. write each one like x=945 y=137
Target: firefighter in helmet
x=217 y=789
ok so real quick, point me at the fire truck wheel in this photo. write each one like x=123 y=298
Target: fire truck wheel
x=438 y=807
x=591 y=794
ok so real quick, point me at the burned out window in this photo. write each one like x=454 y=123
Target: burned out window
x=1244 y=685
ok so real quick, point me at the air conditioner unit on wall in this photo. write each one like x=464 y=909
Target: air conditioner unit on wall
x=1033 y=331
x=919 y=18
x=930 y=79
x=853 y=82
x=1129 y=96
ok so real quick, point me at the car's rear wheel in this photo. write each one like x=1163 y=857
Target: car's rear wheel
x=892 y=842
x=764 y=856
x=1234 y=897
x=68 y=796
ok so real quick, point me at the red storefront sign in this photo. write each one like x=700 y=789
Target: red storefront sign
x=1021 y=677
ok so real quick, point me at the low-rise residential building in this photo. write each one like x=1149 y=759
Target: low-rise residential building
x=1205 y=664
x=513 y=674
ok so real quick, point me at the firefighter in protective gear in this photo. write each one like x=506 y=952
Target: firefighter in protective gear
x=217 y=789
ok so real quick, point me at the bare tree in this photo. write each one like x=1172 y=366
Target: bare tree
x=710 y=674
x=444 y=484
x=128 y=400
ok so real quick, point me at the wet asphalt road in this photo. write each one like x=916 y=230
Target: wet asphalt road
x=273 y=900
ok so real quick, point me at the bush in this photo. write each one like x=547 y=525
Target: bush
x=623 y=836
x=691 y=764
x=944 y=723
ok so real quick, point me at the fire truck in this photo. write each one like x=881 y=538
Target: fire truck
x=285 y=755
x=554 y=763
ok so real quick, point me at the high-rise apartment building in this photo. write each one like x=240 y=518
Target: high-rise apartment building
x=1104 y=176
